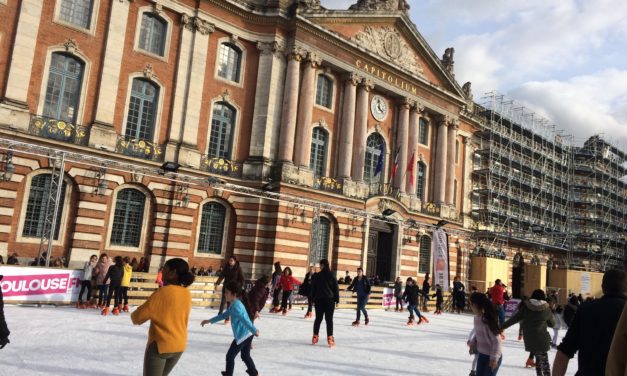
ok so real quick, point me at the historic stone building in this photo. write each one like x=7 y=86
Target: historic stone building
x=350 y=108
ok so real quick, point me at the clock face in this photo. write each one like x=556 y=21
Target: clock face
x=379 y=108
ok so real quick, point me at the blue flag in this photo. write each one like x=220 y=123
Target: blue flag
x=379 y=167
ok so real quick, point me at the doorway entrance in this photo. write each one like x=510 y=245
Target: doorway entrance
x=381 y=247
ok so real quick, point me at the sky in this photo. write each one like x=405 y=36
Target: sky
x=566 y=60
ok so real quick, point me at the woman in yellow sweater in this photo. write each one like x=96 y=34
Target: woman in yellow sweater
x=168 y=311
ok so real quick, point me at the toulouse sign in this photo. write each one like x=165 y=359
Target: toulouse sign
x=40 y=284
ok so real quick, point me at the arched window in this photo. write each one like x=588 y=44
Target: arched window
x=128 y=218
x=375 y=146
x=36 y=207
x=64 y=88
x=424 y=262
x=76 y=12
x=221 y=135
x=324 y=93
x=152 y=34
x=230 y=60
x=423 y=132
x=322 y=238
x=317 y=160
x=421 y=181
x=142 y=110
x=211 y=228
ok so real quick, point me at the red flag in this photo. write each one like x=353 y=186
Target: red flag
x=410 y=168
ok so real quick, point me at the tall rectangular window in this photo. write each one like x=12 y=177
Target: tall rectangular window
x=230 y=60
x=64 y=87
x=423 y=132
x=324 y=92
x=76 y=12
x=317 y=159
x=211 y=228
x=424 y=262
x=152 y=36
x=140 y=122
x=221 y=136
x=36 y=207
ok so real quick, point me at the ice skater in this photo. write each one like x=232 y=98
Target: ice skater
x=325 y=295
x=168 y=310
x=486 y=340
x=124 y=285
x=88 y=271
x=459 y=296
x=258 y=295
x=287 y=283
x=115 y=275
x=398 y=294
x=305 y=290
x=243 y=329
x=361 y=287
x=232 y=272
x=411 y=297
x=275 y=290
x=100 y=271
x=472 y=351
x=4 y=329
x=426 y=287
x=556 y=309
x=535 y=315
x=439 y=299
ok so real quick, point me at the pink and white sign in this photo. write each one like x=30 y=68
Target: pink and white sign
x=40 y=284
x=389 y=300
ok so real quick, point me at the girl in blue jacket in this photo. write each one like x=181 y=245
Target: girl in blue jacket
x=243 y=329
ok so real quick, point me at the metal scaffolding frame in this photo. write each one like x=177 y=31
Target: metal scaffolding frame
x=600 y=203
x=193 y=178
x=521 y=179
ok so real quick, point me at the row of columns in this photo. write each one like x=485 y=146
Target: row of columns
x=298 y=101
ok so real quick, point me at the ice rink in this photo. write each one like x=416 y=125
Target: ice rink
x=67 y=341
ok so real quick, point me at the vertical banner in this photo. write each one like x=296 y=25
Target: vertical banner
x=440 y=261
x=585 y=283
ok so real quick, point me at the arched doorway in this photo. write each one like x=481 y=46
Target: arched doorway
x=518 y=268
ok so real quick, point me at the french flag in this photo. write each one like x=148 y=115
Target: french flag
x=395 y=168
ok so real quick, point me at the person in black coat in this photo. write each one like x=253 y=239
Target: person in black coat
x=398 y=294
x=570 y=309
x=361 y=286
x=325 y=295
x=426 y=287
x=305 y=290
x=4 y=329
x=411 y=294
x=276 y=287
x=439 y=299
x=232 y=272
x=258 y=295
x=115 y=275
x=459 y=295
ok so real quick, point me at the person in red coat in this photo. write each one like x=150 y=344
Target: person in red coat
x=287 y=283
x=497 y=294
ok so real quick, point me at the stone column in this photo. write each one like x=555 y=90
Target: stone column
x=305 y=108
x=450 y=162
x=189 y=154
x=401 y=143
x=266 y=113
x=439 y=190
x=21 y=63
x=348 y=127
x=290 y=107
x=412 y=150
x=361 y=130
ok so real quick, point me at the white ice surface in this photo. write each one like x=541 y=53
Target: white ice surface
x=67 y=341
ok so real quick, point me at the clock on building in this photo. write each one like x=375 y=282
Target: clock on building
x=379 y=107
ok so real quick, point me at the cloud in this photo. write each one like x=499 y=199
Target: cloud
x=583 y=105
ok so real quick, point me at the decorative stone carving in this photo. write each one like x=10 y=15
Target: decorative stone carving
x=296 y=53
x=313 y=59
x=70 y=45
x=353 y=78
x=309 y=4
x=389 y=5
x=158 y=8
x=388 y=43
x=367 y=84
x=447 y=59
x=467 y=89
x=226 y=95
x=418 y=107
x=268 y=48
x=149 y=72
x=187 y=21
x=203 y=27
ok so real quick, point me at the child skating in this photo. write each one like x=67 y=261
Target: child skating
x=439 y=299
x=286 y=284
x=486 y=340
x=126 y=282
x=115 y=274
x=243 y=329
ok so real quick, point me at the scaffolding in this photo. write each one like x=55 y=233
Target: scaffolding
x=522 y=170
x=600 y=203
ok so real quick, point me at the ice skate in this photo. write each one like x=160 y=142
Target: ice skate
x=120 y=307
x=356 y=323
x=308 y=315
x=284 y=312
x=519 y=338
x=530 y=363
x=105 y=311
x=424 y=319
x=502 y=335
x=314 y=340
x=227 y=321
x=4 y=341
x=395 y=309
x=366 y=321
x=125 y=308
x=410 y=322
x=331 y=341
x=115 y=311
x=472 y=373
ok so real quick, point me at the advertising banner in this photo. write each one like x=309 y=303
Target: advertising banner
x=23 y=284
x=440 y=261
x=585 y=283
x=389 y=300
x=511 y=306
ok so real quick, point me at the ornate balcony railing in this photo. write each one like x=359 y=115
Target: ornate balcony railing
x=380 y=189
x=221 y=166
x=139 y=149
x=328 y=184
x=58 y=130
